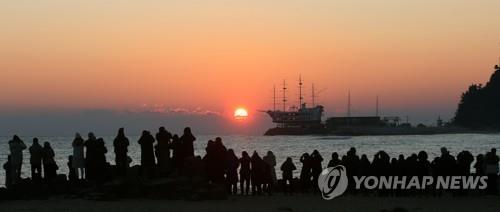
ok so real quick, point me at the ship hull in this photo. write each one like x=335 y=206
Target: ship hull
x=363 y=131
x=296 y=131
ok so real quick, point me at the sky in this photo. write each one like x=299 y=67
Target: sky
x=195 y=58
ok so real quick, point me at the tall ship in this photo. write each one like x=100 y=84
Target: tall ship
x=300 y=120
x=304 y=120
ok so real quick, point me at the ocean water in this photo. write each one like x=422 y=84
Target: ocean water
x=286 y=146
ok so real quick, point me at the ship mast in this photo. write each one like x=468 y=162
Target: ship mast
x=349 y=103
x=300 y=91
x=376 y=107
x=284 y=95
x=274 y=97
x=313 y=96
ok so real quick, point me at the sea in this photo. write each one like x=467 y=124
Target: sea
x=284 y=146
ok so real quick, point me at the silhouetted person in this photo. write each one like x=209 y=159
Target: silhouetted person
x=219 y=159
x=187 y=140
x=464 y=161
x=479 y=166
x=305 y=172
x=351 y=163
x=91 y=161
x=101 y=163
x=245 y=173
x=36 y=154
x=394 y=167
x=163 y=146
x=411 y=163
x=287 y=168
x=381 y=165
x=72 y=177
x=177 y=155
x=334 y=161
x=266 y=178
x=402 y=165
x=16 y=146
x=147 y=153
x=232 y=164
x=269 y=172
x=256 y=173
x=343 y=161
x=7 y=166
x=364 y=168
x=423 y=164
x=491 y=160
x=270 y=159
x=316 y=167
x=120 y=145
x=78 y=163
x=198 y=168
x=215 y=161
x=49 y=164
x=210 y=161
x=447 y=163
x=435 y=167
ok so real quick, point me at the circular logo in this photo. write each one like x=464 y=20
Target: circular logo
x=332 y=182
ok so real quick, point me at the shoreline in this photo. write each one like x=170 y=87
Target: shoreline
x=375 y=131
x=277 y=202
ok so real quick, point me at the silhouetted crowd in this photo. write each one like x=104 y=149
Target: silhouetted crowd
x=419 y=165
x=168 y=155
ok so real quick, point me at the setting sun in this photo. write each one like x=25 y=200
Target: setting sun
x=240 y=114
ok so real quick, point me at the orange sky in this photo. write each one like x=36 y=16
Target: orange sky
x=417 y=56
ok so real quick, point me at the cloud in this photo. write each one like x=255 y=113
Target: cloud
x=161 y=108
x=106 y=122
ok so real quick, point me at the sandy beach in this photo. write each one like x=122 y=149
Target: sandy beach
x=278 y=202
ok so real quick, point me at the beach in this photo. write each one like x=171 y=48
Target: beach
x=277 y=202
x=284 y=146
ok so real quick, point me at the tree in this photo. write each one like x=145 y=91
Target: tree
x=479 y=106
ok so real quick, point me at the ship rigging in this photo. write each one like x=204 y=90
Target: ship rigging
x=301 y=120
